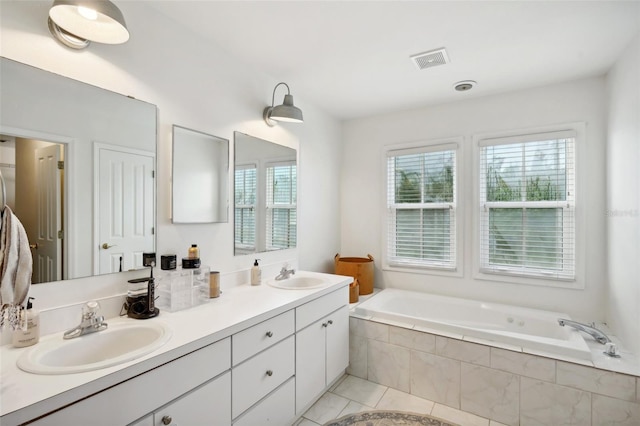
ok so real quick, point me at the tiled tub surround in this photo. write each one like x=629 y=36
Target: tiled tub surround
x=504 y=385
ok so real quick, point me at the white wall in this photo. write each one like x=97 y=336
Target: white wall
x=363 y=192
x=196 y=84
x=623 y=196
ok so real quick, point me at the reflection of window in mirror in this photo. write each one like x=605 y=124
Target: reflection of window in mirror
x=245 y=207
x=281 y=205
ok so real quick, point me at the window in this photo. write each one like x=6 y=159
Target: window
x=245 y=207
x=281 y=217
x=527 y=205
x=421 y=207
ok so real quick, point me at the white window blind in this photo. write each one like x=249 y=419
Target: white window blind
x=245 y=207
x=421 y=207
x=527 y=205
x=281 y=219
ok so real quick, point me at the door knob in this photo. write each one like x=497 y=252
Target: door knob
x=107 y=246
x=33 y=246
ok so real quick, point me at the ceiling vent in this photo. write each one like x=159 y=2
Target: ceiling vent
x=430 y=59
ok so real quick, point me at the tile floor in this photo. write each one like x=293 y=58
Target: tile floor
x=351 y=394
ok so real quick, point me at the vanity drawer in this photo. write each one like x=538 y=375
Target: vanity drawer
x=316 y=309
x=249 y=342
x=255 y=378
x=276 y=409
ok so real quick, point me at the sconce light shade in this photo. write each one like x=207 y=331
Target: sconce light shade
x=285 y=112
x=93 y=20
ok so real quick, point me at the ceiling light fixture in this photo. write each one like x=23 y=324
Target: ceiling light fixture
x=464 y=86
x=285 y=112
x=76 y=23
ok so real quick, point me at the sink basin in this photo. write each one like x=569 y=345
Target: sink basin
x=297 y=283
x=117 y=344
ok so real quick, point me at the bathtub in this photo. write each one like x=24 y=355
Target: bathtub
x=532 y=330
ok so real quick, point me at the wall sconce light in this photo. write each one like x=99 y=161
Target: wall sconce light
x=76 y=23
x=285 y=112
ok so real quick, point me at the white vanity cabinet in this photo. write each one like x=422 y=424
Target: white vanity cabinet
x=196 y=381
x=265 y=373
x=322 y=345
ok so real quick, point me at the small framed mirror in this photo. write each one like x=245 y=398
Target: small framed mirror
x=200 y=188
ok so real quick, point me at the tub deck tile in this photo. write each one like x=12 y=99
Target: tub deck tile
x=594 y=380
x=524 y=364
x=412 y=339
x=463 y=351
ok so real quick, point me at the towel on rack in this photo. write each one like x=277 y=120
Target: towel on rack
x=15 y=268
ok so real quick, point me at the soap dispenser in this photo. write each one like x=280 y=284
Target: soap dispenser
x=256 y=273
x=29 y=332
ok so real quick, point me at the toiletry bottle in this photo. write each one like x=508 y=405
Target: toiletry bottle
x=194 y=252
x=256 y=273
x=30 y=333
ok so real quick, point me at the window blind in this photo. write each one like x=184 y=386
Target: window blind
x=245 y=206
x=281 y=218
x=527 y=205
x=421 y=204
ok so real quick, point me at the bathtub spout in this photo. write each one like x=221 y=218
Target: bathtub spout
x=590 y=330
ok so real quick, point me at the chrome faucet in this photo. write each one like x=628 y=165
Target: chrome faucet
x=589 y=329
x=285 y=273
x=91 y=322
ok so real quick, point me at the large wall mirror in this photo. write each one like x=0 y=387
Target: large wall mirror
x=265 y=195
x=79 y=166
x=200 y=177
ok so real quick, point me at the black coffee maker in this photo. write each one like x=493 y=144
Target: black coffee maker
x=140 y=304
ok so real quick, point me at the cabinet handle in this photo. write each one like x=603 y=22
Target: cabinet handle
x=269 y=334
x=330 y=322
x=166 y=420
x=324 y=324
x=269 y=373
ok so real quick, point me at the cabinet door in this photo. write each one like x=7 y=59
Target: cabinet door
x=310 y=363
x=210 y=404
x=337 y=343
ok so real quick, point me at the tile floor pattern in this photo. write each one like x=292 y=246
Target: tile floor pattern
x=351 y=394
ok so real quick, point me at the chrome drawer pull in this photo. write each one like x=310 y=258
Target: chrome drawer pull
x=269 y=334
x=166 y=420
x=269 y=373
x=330 y=322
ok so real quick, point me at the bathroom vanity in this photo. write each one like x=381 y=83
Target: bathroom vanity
x=256 y=355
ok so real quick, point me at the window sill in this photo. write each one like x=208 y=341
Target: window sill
x=541 y=282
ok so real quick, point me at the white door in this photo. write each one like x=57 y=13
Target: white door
x=47 y=248
x=125 y=208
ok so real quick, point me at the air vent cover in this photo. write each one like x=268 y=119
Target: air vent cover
x=431 y=58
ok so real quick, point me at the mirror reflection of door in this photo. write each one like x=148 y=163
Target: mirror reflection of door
x=47 y=246
x=27 y=164
x=124 y=207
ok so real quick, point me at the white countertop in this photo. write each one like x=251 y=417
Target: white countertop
x=24 y=396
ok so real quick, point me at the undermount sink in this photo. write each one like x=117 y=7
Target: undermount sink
x=117 y=344
x=297 y=283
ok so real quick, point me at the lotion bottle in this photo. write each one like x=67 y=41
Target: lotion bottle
x=29 y=334
x=256 y=273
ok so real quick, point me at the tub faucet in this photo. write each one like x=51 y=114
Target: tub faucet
x=589 y=329
x=91 y=322
x=285 y=273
